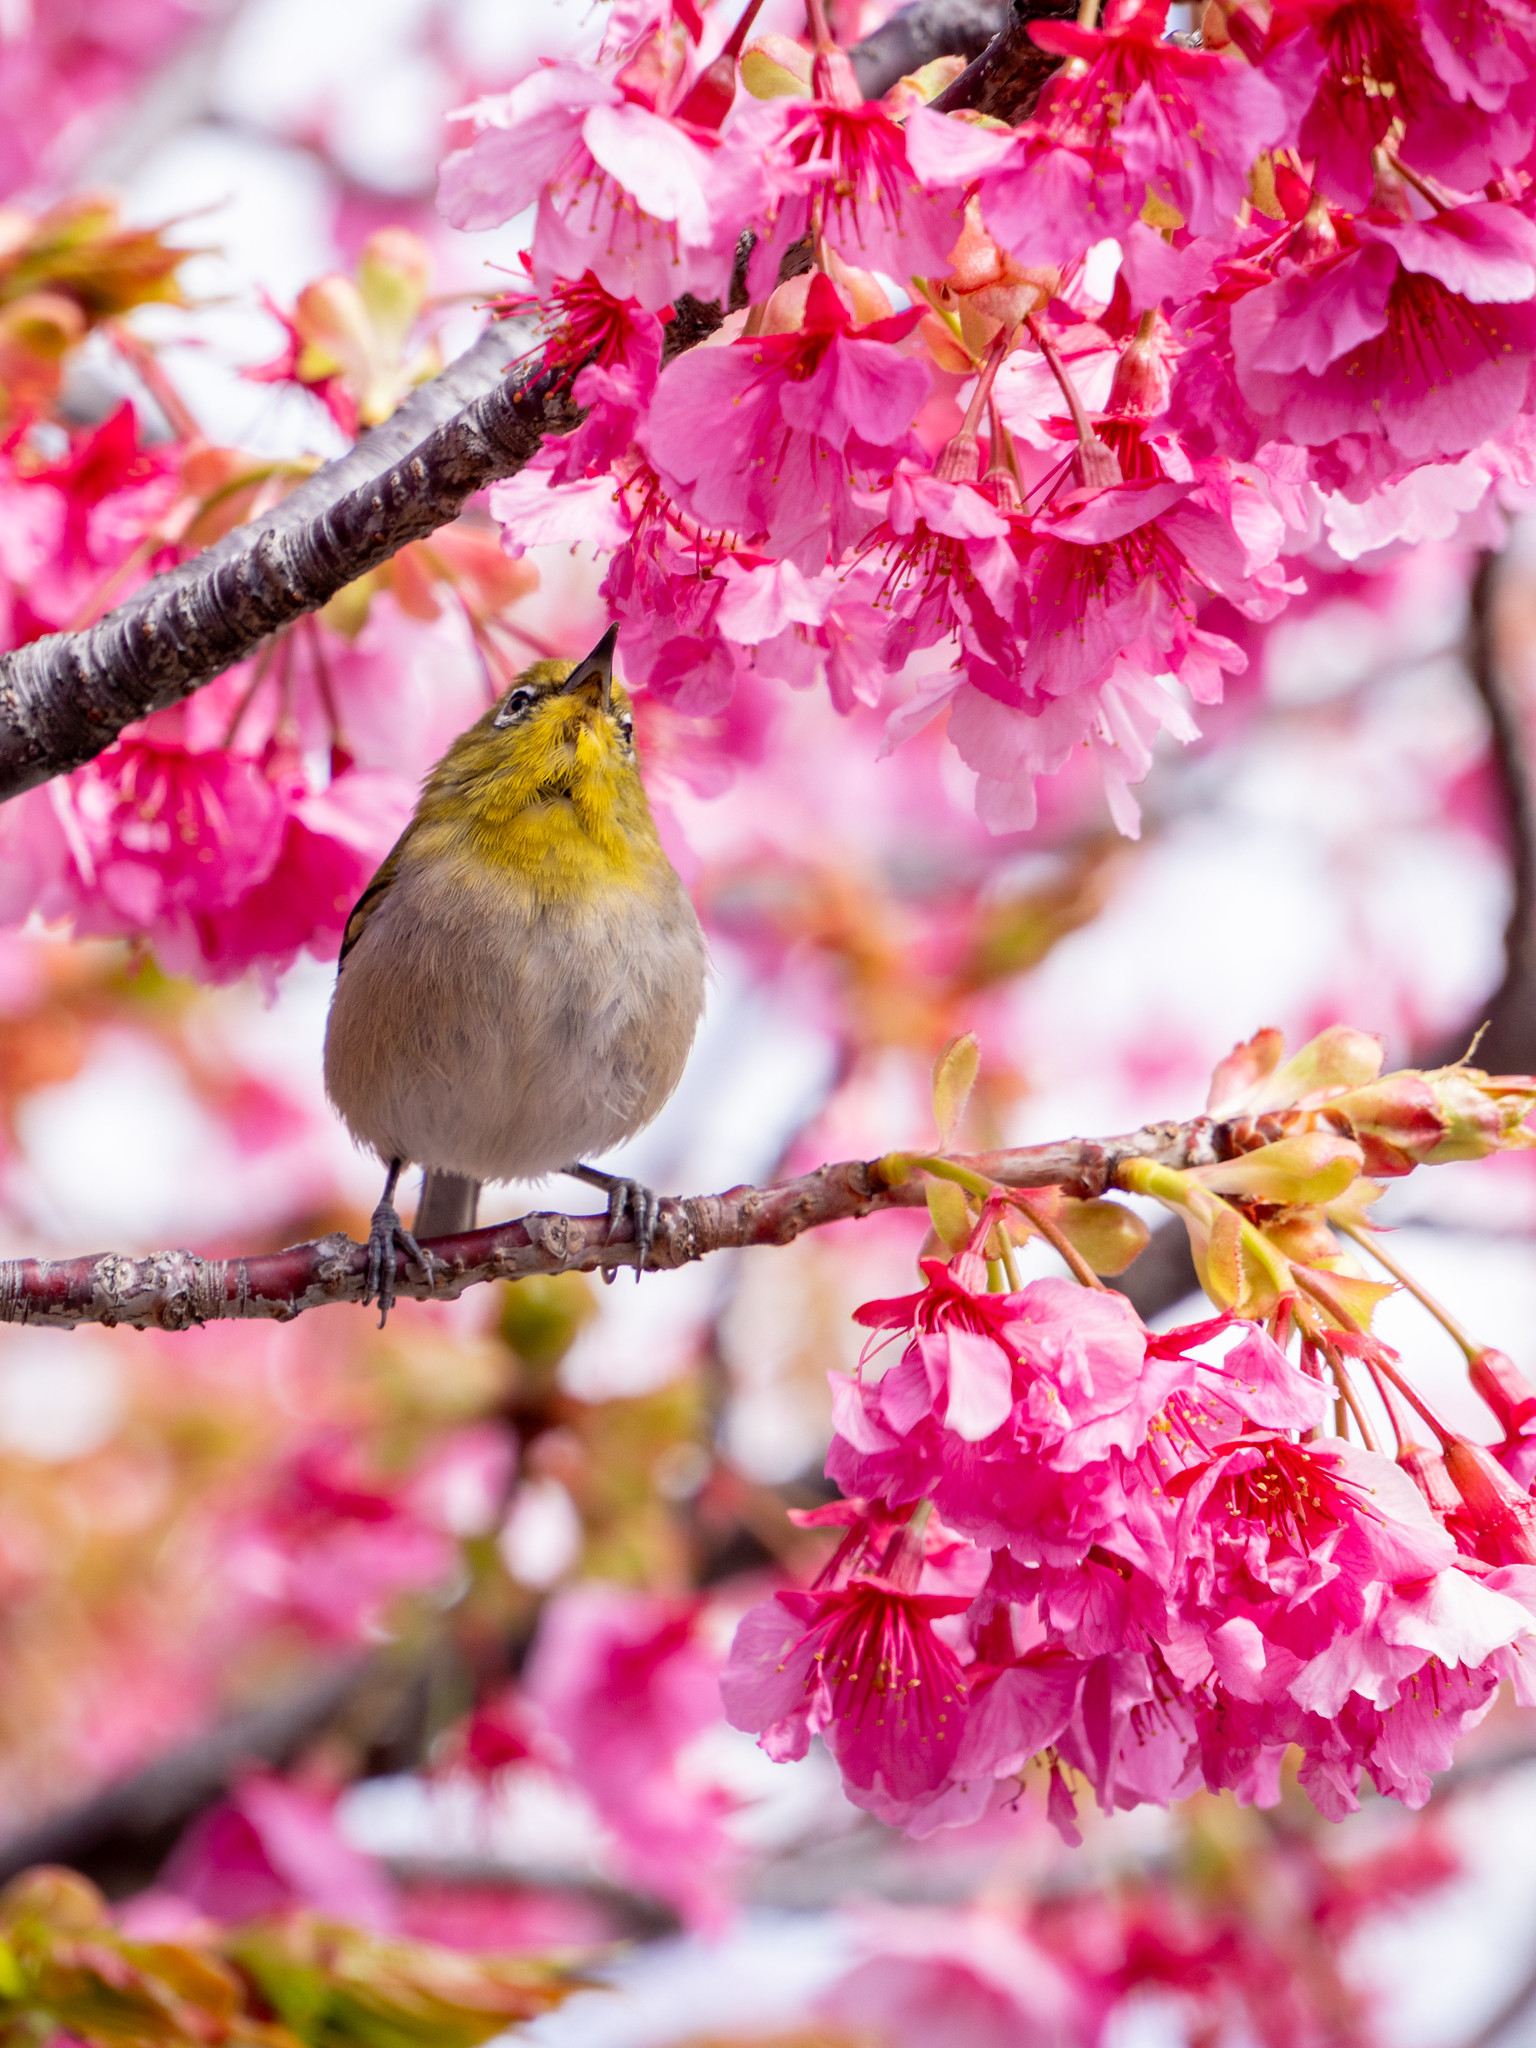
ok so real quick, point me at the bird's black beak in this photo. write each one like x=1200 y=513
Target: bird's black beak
x=597 y=668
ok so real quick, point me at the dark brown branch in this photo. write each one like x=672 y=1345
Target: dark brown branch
x=126 y=1829
x=1163 y=1273
x=64 y=698
x=1510 y=1012
x=176 y=1290
x=914 y=35
x=1005 y=80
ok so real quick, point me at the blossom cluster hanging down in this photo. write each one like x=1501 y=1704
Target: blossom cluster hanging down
x=1051 y=419
x=238 y=829
x=1151 y=1563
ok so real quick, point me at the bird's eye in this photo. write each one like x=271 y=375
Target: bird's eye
x=516 y=705
x=626 y=726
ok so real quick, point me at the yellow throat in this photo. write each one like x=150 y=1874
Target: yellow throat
x=546 y=788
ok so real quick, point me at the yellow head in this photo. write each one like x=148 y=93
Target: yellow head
x=546 y=784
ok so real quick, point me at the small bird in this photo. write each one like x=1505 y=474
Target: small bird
x=521 y=981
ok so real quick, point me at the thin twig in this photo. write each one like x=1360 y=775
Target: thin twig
x=176 y=1290
x=1509 y=1041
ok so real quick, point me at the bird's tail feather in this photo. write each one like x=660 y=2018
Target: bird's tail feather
x=448 y=1203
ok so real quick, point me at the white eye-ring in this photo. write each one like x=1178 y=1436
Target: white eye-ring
x=626 y=726
x=515 y=705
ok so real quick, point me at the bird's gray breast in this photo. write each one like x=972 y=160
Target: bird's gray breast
x=474 y=1030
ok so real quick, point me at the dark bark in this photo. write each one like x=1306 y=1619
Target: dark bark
x=916 y=34
x=121 y=1834
x=1508 y=1044
x=1006 y=79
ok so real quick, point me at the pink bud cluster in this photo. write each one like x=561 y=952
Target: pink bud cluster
x=1047 y=415
x=1135 y=1561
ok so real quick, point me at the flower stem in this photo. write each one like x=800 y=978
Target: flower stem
x=151 y=373
x=1096 y=458
x=1381 y=1357
x=981 y=396
x=1351 y=1400
x=1003 y=463
x=1046 y=342
x=946 y=1169
x=960 y=459
x=1366 y=1239
x=1060 y=1243
x=1010 y=1263
x=816 y=22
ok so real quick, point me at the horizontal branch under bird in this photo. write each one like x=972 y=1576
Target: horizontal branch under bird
x=178 y=1290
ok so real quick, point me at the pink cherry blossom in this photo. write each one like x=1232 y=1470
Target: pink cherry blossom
x=330 y=1547
x=271 y=1846
x=951 y=569
x=1184 y=124
x=864 y=1667
x=791 y=420
x=1421 y=334
x=624 y=1683
x=621 y=191
x=843 y=160
x=1376 y=72
x=333 y=840
x=972 y=1979
x=158 y=834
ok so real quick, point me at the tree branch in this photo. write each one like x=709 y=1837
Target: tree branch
x=1509 y=1040
x=126 y=1828
x=917 y=33
x=64 y=698
x=1005 y=80
x=176 y=1290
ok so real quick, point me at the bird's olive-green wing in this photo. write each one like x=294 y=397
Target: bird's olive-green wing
x=373 y=896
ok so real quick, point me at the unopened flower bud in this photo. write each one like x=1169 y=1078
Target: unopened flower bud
x=1408 y=1119
x=860 y=291
x=775 y=67
x=1505 y=1389
x=710 y=97
x=1140 y=389
x=1503 y=1515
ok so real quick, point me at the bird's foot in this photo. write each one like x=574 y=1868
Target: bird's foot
x=385 y=1233
x=630 y=1198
